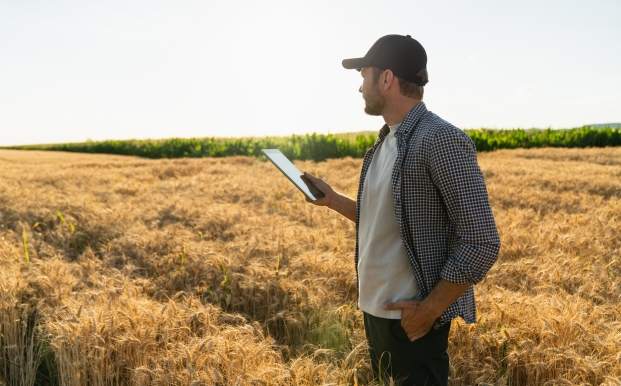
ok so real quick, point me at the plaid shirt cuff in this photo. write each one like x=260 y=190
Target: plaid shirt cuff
x=455 y=274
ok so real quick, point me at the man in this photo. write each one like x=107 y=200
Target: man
x=425 y=233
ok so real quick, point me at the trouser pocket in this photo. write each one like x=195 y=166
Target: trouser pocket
x=398 y=332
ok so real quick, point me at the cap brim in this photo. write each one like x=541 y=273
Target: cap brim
x=351 y=64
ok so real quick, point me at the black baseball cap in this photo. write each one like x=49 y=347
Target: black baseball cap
x=404 y=56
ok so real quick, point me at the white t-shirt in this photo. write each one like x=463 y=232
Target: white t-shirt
x=383 y=266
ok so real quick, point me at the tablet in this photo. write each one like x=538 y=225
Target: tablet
x=293 y=174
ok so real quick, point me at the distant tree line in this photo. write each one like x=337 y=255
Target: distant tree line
x=319 y=147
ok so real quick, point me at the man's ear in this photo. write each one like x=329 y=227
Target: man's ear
x=387 y=79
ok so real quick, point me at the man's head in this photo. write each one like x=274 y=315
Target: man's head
x=392 y=59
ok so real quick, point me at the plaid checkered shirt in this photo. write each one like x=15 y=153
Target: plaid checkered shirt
x=442 y=207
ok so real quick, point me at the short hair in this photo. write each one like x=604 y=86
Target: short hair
x=412 y=90
x=408 y=89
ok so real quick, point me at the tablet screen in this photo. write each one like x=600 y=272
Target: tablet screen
x=293 y=173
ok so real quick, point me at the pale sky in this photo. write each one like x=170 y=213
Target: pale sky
x=78 y=70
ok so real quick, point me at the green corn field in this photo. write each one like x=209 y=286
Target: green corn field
x=319 y=147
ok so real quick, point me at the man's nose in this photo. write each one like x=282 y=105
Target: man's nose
x=360 y=89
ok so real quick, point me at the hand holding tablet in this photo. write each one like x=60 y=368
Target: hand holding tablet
x=293 y=174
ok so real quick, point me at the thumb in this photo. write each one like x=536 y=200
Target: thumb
x=311 y=177
x=400 y=305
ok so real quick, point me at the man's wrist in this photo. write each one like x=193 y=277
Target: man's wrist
x=443 y=294
x=433 y=307
x=342 y=204
x=334 y=201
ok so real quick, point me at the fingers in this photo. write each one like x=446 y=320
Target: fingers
x=322 y=186
x=413 y=337
x=318 y=202
x=417 y=334
x=318 y=182
x=315 y=181
x=311 y=177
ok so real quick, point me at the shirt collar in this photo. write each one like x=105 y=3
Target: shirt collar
x=412 y=119
x=408 y=124
x=394 y=128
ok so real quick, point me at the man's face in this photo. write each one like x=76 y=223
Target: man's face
x=373 y=98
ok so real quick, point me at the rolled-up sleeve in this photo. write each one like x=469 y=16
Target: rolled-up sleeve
x=456 y=174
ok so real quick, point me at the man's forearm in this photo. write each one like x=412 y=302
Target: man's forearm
x=332 y=199
x=443 y=294
x=343 y=205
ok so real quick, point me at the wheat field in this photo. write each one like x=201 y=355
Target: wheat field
x=125 y=271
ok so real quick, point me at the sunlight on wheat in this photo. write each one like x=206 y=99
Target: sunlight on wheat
x=216 y=271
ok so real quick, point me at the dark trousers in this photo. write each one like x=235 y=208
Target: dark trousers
x=423 y=362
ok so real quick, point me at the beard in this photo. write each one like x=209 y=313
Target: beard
x=374 y=102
